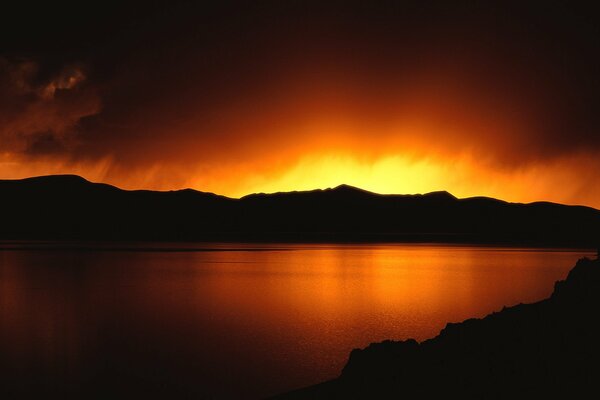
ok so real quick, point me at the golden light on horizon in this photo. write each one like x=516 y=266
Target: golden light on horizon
x=389 y=174
x=432 y=135
x=462 y=176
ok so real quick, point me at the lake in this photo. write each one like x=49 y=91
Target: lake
x=237 y=320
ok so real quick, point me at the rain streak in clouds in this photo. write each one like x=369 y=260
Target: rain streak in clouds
x=498 y=100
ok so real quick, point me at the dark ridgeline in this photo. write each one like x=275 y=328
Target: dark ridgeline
x=549 y=349
x=69 y=207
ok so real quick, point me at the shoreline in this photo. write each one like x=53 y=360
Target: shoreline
x=521 y=351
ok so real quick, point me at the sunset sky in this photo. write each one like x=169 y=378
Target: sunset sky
x=488 y=99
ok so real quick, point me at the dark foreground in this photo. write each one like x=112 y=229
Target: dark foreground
x=542 y=350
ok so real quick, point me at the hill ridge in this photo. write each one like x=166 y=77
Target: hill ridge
x=69 y=207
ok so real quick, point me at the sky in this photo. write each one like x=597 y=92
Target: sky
x=493 y=99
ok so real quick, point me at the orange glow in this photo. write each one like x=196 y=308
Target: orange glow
x=561 y=181
x=439 y=132
x=463 y=177
x=294 y=308
x=391 y=174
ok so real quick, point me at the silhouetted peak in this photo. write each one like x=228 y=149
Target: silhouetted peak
x=193 y=193
x=78 y=208
x=186 y=192
x=441 y=194
x=57 y=179
x=343 y=188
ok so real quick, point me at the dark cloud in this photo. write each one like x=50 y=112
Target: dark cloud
x=45 y=144
x=200 y=83
x=35 y=112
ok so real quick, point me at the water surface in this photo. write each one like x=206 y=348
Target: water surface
x=237 y=320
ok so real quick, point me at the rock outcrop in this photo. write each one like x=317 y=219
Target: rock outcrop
x=543 y=350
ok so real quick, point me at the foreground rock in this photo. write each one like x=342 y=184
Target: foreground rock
x=546 y=349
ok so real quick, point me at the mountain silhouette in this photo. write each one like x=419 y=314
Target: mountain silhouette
x=548 y=349
x=67 y=207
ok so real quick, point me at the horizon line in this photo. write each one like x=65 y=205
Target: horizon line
x=337 y=187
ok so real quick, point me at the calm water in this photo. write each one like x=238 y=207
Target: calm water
x=239 y=321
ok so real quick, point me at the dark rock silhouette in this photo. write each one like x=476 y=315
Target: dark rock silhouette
x=69 y=207
x=548 y=349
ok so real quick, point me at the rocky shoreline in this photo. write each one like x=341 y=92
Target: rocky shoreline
x=545 y=349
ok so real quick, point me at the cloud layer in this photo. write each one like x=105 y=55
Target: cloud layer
x=232 y=97
x=41 y=116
